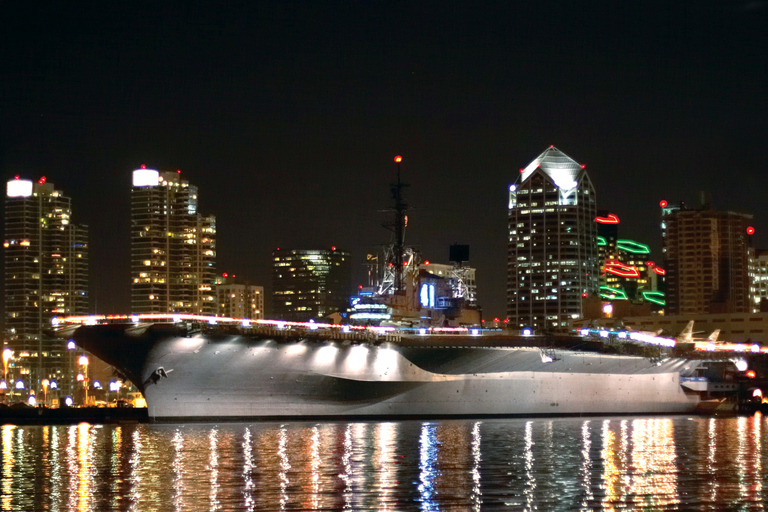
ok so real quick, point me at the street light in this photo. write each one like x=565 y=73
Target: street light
x=45 y=383
x=84 y=363
x=6 y=356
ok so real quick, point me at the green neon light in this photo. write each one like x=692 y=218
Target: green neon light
x=609 y=293
x=655 y=297
x=633 y=247
x=601 y=242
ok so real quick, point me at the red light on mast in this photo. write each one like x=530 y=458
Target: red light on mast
x=398 y=159
x=41 y=180
x=16 y=177
x=750 y=230
x=333 y=247
x=663 y=203
x=224 y=275
x=583 y=166
x=143 y=166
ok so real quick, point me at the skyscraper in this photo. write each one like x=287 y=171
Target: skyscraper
x=310 y=284
x=173 y=246
x=552 y=245
x=706 y=256
x=46 y=275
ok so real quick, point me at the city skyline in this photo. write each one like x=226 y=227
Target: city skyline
x=273 y=105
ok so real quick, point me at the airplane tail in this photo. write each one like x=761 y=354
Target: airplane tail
x=686 y=335
x=713 y=337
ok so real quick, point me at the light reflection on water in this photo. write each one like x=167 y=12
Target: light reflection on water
x=668 y=463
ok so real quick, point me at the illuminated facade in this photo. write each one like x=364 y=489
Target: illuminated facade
x=173 y=247
x=236 y=298
x=759 y=275
x=310 y=284
x=706 y=254
x=46 y=275
x=552 y=252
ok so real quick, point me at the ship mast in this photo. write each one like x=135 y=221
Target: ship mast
x=399 y=228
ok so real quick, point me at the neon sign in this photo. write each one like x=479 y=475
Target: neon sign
x=612 y=218
x=633 y=247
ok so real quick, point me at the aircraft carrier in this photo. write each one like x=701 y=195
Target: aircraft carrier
x=188 y=372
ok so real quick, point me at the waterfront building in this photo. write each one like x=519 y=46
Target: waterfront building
x=237 y=298
x=552 y=243
x=310 y=284
x=173 y=246
x=706 y=258
x=46 y=275
x=759 y=276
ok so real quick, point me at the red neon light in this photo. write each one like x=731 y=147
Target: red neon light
x=750 y=230
x=622 y=270
x=426 y=262
x=612 y=218
x=42 y=180
x=398 y=159
x=751 y=374
x=663 y=203
x=359 y=287
x=496 y=319
x=650 y=264
x=660 y=271
x=584 y=294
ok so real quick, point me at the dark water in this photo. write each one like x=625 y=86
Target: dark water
x=666 y=463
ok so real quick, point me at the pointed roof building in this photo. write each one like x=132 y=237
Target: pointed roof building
x=552 y=252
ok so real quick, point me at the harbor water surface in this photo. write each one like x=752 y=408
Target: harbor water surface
x=598 y=463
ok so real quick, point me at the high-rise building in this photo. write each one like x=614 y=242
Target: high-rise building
x=552 y=246
x=706 y=256
x=173 y=246
x=236 y=298
x=46 y=275
x=310 y=284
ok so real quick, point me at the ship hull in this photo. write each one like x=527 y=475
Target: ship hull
x=240 y=377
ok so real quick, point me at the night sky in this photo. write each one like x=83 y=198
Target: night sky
x=287 y=115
